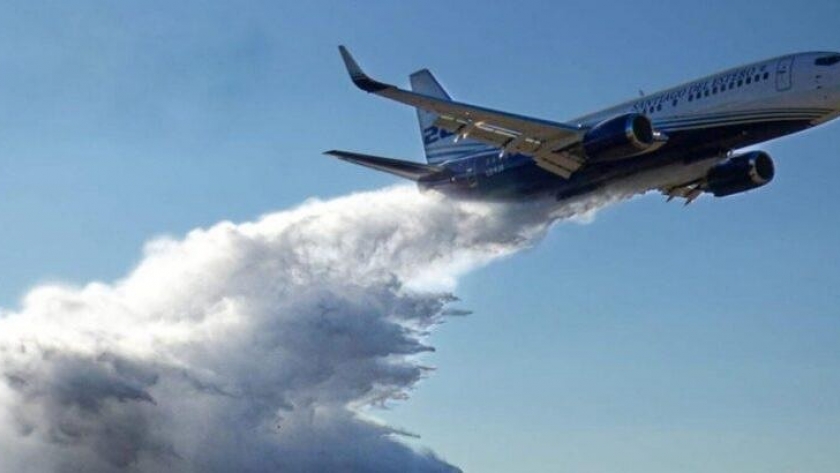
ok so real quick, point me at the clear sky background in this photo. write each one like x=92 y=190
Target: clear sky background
x=655 y=339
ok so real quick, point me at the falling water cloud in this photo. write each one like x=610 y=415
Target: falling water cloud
x=252 y=346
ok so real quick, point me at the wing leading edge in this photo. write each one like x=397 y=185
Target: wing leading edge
x=552 y=145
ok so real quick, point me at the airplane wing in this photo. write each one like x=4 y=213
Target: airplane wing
x=405 y=169
x=552 y=145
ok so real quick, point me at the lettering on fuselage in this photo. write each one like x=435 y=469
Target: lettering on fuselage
x=699 y=88
x=433 y=134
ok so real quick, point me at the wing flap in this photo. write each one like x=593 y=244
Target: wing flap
x=688 y=191
x=563 y=164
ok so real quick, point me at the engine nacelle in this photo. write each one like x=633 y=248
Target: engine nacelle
x=619 y=137
x=740 y=174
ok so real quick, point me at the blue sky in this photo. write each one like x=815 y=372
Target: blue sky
x=654 y=339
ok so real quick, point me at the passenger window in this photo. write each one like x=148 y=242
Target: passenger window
x=674 y=103
x=740 y=82
x=706 y=92
x=766 y=75
x=749 y=80
x=714 y=91
x=757 y=78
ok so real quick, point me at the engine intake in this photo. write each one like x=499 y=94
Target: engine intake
x=740 y=174
x=619 y=137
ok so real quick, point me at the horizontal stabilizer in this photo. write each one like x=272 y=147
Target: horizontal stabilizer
x=405 y=169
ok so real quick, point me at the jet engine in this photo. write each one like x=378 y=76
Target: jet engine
x=740 y=174
x=619 y=137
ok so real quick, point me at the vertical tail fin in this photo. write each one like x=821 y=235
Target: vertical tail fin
x=440 y=145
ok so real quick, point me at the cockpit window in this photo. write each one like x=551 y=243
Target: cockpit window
x=828 y=60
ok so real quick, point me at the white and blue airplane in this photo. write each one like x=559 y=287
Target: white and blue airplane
x=684 y=138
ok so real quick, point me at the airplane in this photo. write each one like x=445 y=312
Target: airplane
x=682 y=141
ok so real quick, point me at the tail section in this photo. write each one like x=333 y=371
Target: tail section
x=440 y=145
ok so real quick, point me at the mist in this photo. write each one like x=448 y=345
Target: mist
x=256 y=346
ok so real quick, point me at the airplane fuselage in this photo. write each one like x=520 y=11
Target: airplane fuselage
x=704 y=121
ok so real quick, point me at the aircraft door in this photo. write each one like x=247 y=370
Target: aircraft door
x=784 y=73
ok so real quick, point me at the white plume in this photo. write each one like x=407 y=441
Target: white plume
x=249 y=347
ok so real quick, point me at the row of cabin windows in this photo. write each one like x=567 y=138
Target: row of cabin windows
x=714 y=91
x=730 y=86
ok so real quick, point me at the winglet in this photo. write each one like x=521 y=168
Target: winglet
x=359 y=78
